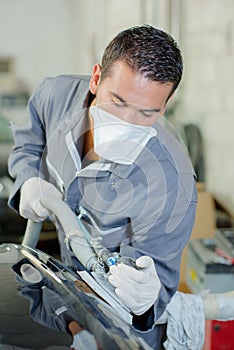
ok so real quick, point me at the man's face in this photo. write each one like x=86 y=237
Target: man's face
x=131 y=97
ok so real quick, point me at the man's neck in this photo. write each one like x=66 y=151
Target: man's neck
x=88 y=147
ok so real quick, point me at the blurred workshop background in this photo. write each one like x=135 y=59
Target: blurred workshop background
x=53 y=37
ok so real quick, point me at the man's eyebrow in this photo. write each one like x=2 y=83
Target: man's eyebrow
x=150 y=110
x=119 y=98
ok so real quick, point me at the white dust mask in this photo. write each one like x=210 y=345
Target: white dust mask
x=117 y=140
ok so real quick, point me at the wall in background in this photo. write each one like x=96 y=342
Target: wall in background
x=40 y=36
x=51 y=37
x=99 y=21
x=207 y=92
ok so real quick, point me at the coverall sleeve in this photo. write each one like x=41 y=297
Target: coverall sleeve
x=163 y=236
x=29 y=143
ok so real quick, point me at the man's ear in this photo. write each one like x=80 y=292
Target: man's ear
x=95 y=78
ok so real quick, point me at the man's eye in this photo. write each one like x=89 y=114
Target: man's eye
x=119 y=104
x=148 y=114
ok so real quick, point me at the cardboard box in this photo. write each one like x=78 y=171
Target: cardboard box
x=204 y=226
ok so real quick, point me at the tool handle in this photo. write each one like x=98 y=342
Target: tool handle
x=68 y=220
x=32 y=234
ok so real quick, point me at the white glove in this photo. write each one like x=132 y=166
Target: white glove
x=138 y=289
x=31 y=192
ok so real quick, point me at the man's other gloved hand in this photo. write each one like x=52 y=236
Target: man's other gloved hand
x=138 y=289
x=31 y=192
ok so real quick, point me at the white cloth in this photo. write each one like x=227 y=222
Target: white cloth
x=185 y=323
x=117 y=140
x=218 y=306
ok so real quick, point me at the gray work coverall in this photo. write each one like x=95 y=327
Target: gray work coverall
x=146 y=208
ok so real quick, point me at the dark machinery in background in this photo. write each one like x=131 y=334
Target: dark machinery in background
x=12 y=226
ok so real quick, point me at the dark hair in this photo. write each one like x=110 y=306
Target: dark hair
x=148 y=51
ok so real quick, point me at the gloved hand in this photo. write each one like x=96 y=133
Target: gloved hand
x=138 y=289
x=31 y=192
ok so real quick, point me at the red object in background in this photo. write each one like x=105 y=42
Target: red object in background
x=219 y=335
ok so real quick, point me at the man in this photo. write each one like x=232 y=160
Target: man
x=98 y=144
